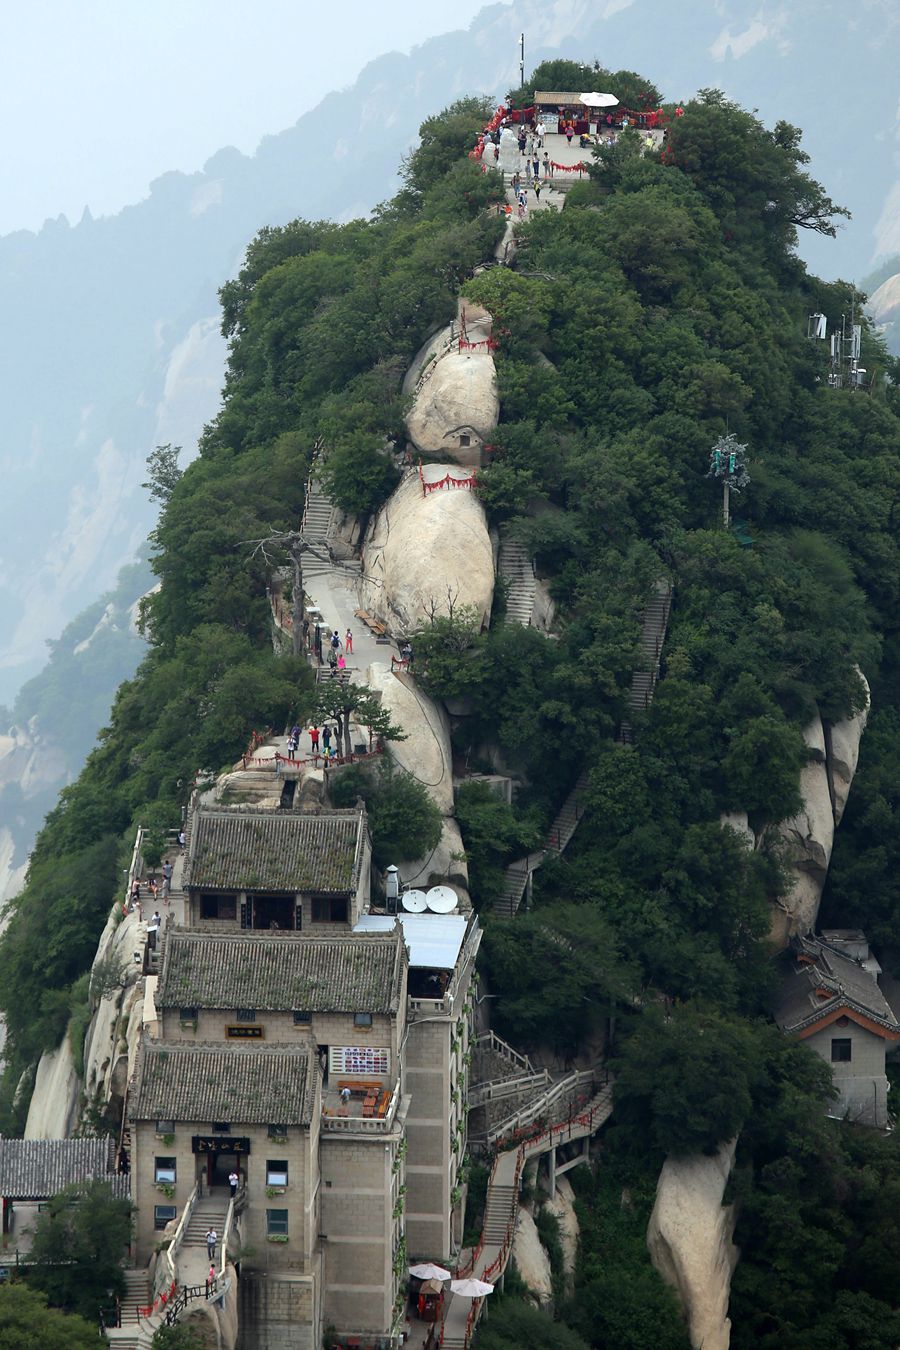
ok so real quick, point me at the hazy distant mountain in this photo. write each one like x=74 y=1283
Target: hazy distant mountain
x=109 y=338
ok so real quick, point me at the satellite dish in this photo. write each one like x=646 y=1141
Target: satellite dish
x=442 y=900
x=414 y=902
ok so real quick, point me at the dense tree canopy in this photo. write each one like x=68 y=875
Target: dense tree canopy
x=26 y=1323
x=80 y=1240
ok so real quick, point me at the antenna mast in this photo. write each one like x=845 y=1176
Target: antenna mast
x=521 y=59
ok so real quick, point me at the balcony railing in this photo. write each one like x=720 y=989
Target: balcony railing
x=357 y=1124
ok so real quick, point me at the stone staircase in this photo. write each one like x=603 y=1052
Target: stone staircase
x=654 y=622
x=558 y=838
x=192 y=1261
x=564 y=826
x=514 y=883
x=499 y=1213
x=133 y=1334
x=515 y=566
x=318 y=515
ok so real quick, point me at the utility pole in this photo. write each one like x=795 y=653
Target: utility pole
x=521 y=59
x=727 y=462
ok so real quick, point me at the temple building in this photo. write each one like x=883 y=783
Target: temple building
x=315 y=1052
x=831 y=999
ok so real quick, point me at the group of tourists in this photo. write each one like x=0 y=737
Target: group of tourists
x=324 y=742
x=135 y=900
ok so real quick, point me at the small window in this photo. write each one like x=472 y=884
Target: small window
x=165 y=1127
x=164 y=1170
x=465 y=439
x=841 y=1051
x=245 y=1014
x=188 y=1014
x=221 y=1127
x=302 y=1018
x=329 y=909
x=163 y=1214
x=362 y=1019
x=276 y=1223
x=276 y=1172
x=278 y=1132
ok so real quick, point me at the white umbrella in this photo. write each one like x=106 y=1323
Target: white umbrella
x=471 y=1288
x=598 y=100
x=427 y=1271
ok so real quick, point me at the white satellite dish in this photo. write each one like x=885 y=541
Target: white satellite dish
x=442 y=900
x=414 y=902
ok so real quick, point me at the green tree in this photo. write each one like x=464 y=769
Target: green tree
x=80 y=1239
x=688 y=1079
x=164 y=473
x=26 y=1323
x=558 y=971
x=443 y=140
x=513 y=1324
x=341 y=700
x=181 y=1336
x=405 y=822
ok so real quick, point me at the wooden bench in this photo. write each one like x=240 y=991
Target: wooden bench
x=376 y=626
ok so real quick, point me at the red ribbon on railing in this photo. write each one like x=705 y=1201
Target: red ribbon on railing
x=448 y=481
x=580 y=167
x=162 y=1298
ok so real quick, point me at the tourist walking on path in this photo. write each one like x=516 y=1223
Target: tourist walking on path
x=341 y=663
x=537 y=188
x=326 y=738
x=348 y=642
x=167 y=880
x=212 y=1238
x=547 y=166
x=233 y=1182
x=314 y=739
x=210 y=1280
x=182 y=840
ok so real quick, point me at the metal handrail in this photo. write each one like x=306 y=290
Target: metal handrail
x=226 y=1234
x=177 y=1236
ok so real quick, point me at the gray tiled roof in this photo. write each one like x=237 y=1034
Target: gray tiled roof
x=348 y=972
x=244 y=1085
x=846 y=983
x=244 y=848
x=34 y=1169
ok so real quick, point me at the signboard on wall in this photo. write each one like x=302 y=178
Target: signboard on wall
x=242 y=1032
x=364 y=1060
x=219 y=1143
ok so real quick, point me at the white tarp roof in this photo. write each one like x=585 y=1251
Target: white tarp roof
x=434 y=940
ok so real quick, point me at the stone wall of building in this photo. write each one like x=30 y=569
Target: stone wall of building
x=360 y=1192
x=861 y=1082
x=295 y=1149
x=278 y=1312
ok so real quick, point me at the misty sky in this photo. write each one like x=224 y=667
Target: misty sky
x=98 y=97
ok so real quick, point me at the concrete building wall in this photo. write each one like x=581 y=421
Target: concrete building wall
x=279 y=1028
x=299 y=1197
x=279 y=1312
x=861 y=1081
x=435 y=1073
x=361 y=1200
